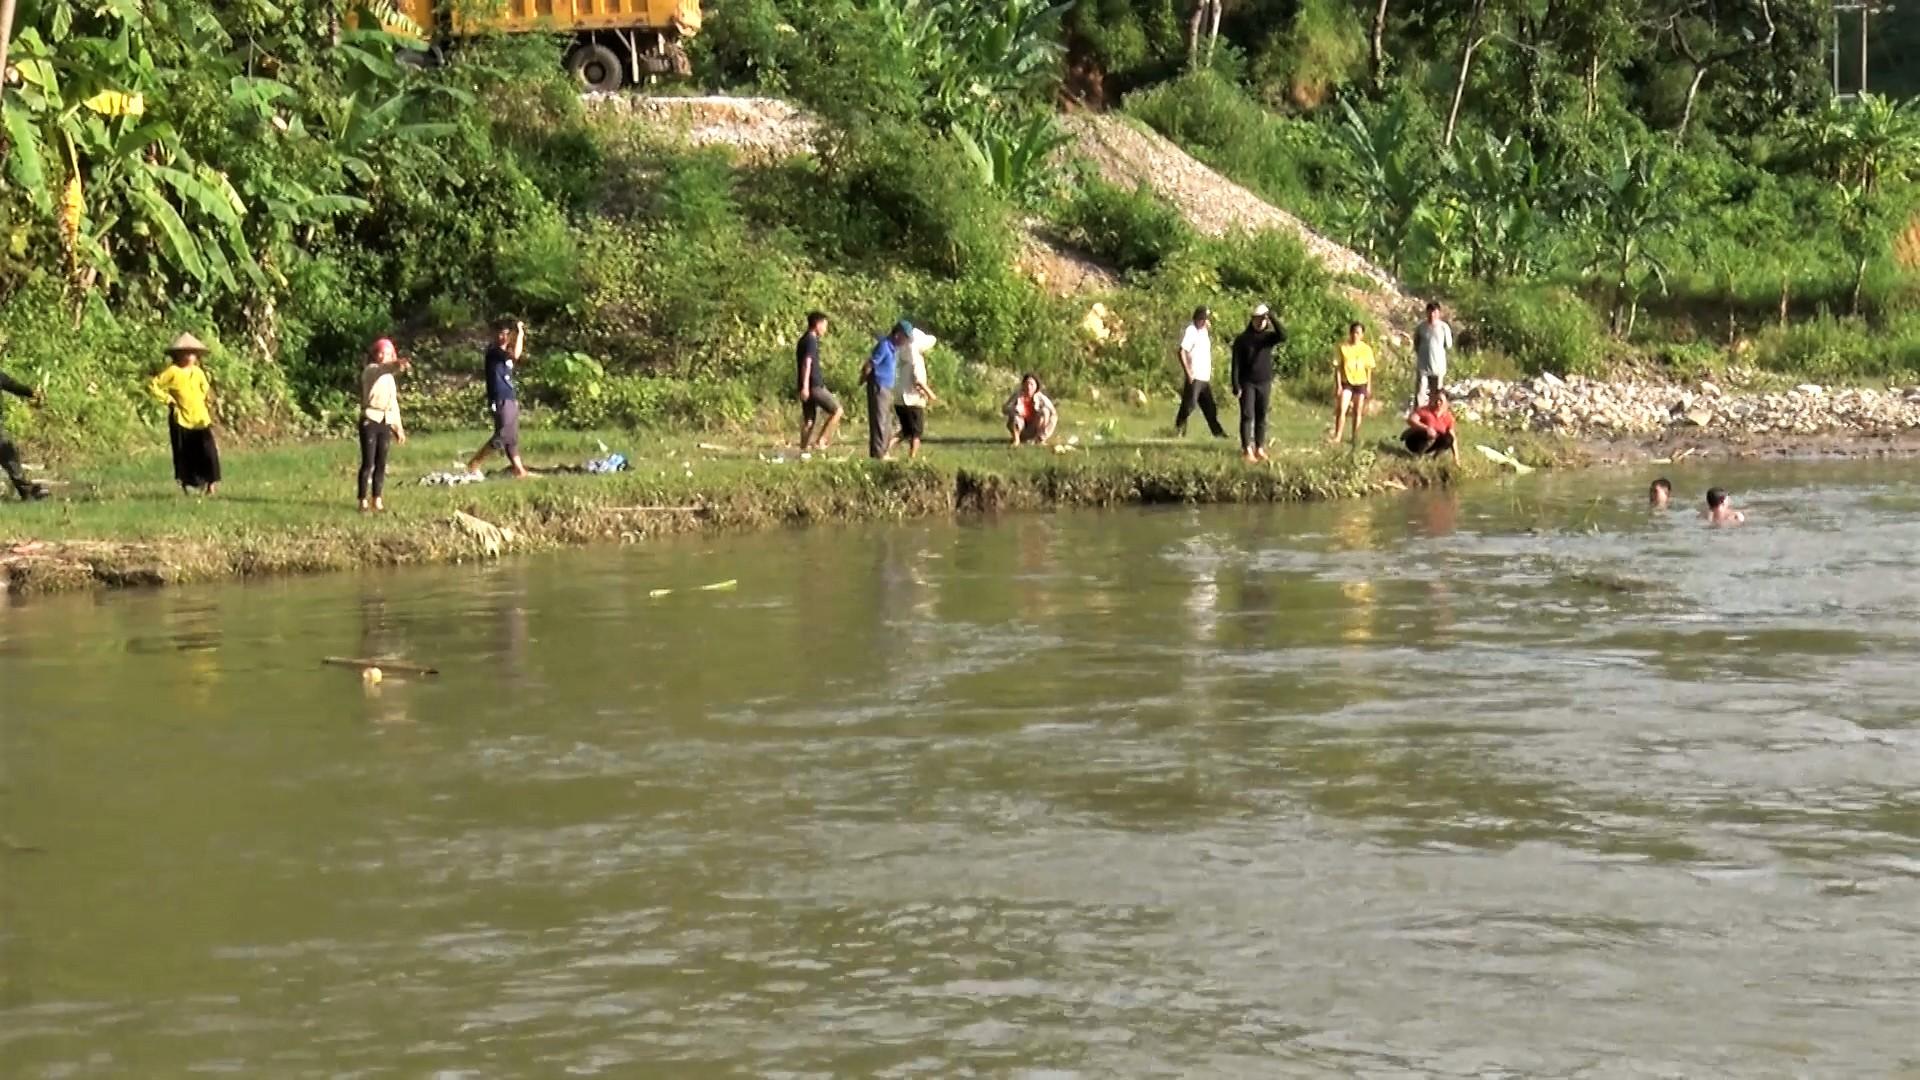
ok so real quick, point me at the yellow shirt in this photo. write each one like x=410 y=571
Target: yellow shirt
x=1356 y=363
x=188 y=391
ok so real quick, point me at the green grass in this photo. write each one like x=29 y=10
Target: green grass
x=289 y=508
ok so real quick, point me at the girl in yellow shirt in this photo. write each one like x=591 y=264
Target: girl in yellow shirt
x=1353 y=378
x=183 y=387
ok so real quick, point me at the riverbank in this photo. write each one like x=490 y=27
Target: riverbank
x=288 y=509
x=1670 y=411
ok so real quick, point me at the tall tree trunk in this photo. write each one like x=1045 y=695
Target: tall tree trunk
x=1466 y=68
x=1213 y=28
x=1377 y=47
x=1859 y=284
x=1693 y=95
x=1193 y=31
x=6 y=40
x=1593 y=86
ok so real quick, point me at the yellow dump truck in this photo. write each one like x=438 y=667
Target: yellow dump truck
x=614 y=41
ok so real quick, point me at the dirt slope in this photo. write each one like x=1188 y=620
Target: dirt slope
x=768 y=129
x=1127 y=154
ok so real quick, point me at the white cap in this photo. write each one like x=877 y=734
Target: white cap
x=1261 y=309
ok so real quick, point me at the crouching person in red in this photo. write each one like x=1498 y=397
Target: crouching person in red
x=1430 y=429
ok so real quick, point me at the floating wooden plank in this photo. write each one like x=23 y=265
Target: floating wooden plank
x=385 y=665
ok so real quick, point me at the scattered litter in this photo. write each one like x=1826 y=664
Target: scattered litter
x=1506 y=459
x=452 y=479
x=493 y=538
x=611 y=463
x=717 y=586
x=371 y=676
x=710 y=446
x=1393 y=484
x=1065 y=448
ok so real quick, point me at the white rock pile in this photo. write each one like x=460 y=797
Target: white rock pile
x=1581 y=406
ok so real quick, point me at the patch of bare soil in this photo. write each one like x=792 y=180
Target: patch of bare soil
x=1058 y=267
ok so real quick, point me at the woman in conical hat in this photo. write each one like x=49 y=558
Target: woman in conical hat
x=183 y=387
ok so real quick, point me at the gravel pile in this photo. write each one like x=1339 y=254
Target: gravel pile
x=1580 y=406
x=765 y=129
x=1215 y=205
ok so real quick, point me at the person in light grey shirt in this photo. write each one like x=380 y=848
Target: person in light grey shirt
x=1432 y=341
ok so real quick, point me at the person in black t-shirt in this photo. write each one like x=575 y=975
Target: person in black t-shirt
x=812 y=385
x=9 y=454
x=509 y=344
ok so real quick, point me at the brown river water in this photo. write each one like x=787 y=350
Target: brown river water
x=1516 y=781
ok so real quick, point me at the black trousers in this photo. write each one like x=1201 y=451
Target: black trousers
x=1199 y=393
x=1419 y=442
x=879 y=411
x=375 y=439
x=16 y=473
x=1254 y=399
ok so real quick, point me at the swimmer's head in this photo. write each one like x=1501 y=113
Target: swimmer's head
x=1716 y=498
x=1660 y=493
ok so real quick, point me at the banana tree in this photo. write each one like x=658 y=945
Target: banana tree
x=1390 y=189
x=1631 y=204
x=159 y=144
x=1503 y=194
x=88 y=147
x=1013 y=156
x=1865 y=146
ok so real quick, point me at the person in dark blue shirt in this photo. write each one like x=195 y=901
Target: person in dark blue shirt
x=879 y=375
x=509 y=345
x=815 y=398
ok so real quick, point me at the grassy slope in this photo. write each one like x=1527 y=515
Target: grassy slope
x=289 y=508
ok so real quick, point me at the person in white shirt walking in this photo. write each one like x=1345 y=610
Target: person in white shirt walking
x=914 y=399
x=1196 y=363
x=1432 y=341
x=380 y=425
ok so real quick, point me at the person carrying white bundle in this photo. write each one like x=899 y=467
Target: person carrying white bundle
x=916 y=396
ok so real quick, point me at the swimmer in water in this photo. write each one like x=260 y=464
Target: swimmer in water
x=1720 y=509
x=1660 y=494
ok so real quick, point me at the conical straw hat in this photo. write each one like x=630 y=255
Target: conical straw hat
x=187 y=343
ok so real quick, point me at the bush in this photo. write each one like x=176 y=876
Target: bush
x=95 y=374
x=1134 y=231
x=1289 y=162
x=690 y=289
x=1541 y=328
x=1323 y=50
x=539 y=267
x=997 y=318
x=641 y=402
x=1835 y=349
x=918 y=199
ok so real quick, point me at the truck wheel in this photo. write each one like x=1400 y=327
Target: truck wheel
x=597 y=67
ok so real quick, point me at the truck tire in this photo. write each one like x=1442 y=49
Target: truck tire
x=597 y=67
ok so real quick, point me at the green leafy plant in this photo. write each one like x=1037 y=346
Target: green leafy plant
x=1631 y=205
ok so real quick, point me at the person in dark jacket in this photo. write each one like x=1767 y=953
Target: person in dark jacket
x=1253 y=379
x=9 y=454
